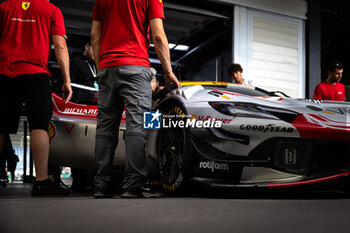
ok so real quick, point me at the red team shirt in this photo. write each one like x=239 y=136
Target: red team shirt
x=125 y=39
x=327 y=91
x=25 y=35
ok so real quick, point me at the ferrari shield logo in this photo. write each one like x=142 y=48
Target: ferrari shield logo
x=25 y=5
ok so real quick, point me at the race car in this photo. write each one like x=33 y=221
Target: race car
x=222 y=135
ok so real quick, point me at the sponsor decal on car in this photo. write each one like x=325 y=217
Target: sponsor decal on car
x=290 y=156
x=267 y=128
x=81 y=111
x=212 y=165
x=206 y=118
x=69 y=128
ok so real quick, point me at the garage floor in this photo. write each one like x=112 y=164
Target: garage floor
x=210 y=212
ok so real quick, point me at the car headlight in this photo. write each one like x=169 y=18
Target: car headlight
x=254 y=111
x=242 y=110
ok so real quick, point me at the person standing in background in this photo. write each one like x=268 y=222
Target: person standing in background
x=235 y=71
x=331 y=88
x=83 y=73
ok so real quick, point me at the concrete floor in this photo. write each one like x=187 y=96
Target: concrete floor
x=207 y=212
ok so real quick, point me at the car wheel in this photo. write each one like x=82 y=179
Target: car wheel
x=174 y=149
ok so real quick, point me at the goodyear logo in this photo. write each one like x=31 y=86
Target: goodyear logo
x=25 y=5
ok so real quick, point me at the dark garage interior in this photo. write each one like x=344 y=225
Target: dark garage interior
x=206 y=28
x=200 y=35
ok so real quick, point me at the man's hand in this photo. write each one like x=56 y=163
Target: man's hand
x=170 y=79
x=66 y=92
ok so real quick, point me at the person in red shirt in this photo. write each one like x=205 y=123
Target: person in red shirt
x=120 y=42
x=331 y=88
x=26 y=29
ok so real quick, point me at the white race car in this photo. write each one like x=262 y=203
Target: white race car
x=222 y=135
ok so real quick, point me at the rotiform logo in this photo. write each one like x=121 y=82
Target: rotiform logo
x=212 y=165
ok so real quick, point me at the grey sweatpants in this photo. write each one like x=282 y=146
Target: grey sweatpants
x=122 y=86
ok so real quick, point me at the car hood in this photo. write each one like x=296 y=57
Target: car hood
x=195 y=94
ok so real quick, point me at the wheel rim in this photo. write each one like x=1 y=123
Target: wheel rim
x=171 y=148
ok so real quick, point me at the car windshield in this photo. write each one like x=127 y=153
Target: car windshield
x=255 y=91
x=240 y=89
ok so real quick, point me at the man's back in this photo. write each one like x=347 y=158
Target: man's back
x=25 y=30
x=125 y=30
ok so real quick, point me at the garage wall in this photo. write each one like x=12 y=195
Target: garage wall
x=270 y=48
x=276 y=54
x=294 y=8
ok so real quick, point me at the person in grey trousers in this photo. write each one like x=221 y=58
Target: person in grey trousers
x=120 y=42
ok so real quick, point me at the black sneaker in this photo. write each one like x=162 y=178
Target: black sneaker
x=136 y=192
x=141 y=192
x=156 y=188
x=48 y=188
x=102 y=193
x=3 y=180
x=3 y=183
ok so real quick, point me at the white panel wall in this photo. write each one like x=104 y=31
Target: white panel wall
x=273 y=57
x=294 y=8
x=276 y=53
x=240 y=38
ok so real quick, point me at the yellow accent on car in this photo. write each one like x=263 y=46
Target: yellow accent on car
x=328 y=112
x=205 y=83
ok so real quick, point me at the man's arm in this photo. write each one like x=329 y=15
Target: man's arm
x=96 y=31
x=62 y=56
x=162 y=48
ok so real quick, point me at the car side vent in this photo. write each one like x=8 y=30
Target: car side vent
x=285 y=115
x=288 y=117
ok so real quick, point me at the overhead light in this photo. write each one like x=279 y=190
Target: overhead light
x=171 y=45
x=178 y=47
x=182 y=47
